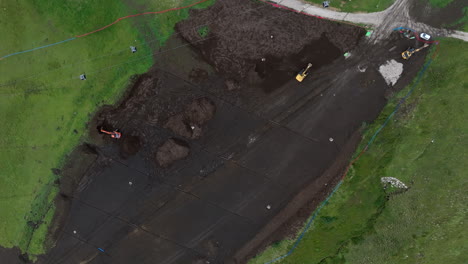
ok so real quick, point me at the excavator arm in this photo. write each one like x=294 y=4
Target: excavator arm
x=303 y=73
x=113 y=134
x=410 y=51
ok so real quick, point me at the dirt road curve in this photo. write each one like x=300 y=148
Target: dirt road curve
x=396 y=15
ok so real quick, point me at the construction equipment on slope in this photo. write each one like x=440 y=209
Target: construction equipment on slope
x=410 y=51
x=303 y=73
x=114 y=134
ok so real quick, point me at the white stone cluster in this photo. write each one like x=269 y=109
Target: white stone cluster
x=394 y=182
x=391 y=71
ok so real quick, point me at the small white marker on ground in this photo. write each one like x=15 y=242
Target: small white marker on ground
x=130 y=183
x=271 y=36
x=268 y=207
x=331 y=139
x=74 y=231
x=263 y=59
x=432 y=141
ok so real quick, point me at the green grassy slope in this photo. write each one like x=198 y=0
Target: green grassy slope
x=424 y=224
x=367 y=6
x=44 y=106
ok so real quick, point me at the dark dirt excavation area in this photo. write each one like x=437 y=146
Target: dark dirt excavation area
x=218 y=138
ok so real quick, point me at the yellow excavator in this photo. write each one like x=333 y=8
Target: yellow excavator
x=407 y=53
x=303 y=73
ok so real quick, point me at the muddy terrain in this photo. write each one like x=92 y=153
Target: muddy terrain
x=217 y=142
x=251 y=49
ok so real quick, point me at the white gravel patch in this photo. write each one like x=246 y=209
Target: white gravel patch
x=391 y=71
x=394 y=182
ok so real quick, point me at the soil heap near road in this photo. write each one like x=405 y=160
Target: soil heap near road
x=249 y=43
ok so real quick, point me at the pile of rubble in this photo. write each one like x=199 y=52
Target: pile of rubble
x=394 y=182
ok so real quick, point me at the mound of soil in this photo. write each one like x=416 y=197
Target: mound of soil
x=201 y=111
x=189 y=122
x=265 y=46
x=170 y=151
x=146 y=106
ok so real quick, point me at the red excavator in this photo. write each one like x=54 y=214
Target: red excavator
x=114 y=134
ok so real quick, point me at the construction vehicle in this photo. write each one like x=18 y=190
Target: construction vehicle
x=410 y=51
x=114 y=134
x=303 y=73
x=407 y=33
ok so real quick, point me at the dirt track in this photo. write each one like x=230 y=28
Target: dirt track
x=265 y=143
x=416 y=15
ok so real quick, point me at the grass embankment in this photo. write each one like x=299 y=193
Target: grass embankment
x=425 y=147
x=355 y=6
x=44 y=106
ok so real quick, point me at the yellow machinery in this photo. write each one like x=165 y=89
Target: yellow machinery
x=303 y=73
x=407 y=53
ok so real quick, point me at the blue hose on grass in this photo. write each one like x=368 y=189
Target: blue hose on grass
x=46 y=46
